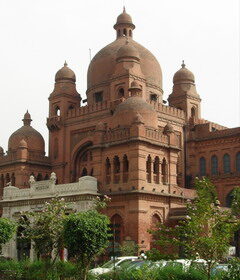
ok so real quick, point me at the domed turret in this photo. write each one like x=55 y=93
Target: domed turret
x=126 y=112
x=65 y=73
x=124 y=18
x=124 y=25
x=27 y=136
x=1 y=152
x=183 y=75
x=128 y=50
x=184 y=95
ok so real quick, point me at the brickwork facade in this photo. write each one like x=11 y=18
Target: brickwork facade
x=143 y=153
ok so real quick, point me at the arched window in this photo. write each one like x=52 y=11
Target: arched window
x=149 y=168
x=226 y=163
x=164 y=171
x=117 y=226
x=39 y=177
x=70 y=109
x=84 y=172
x=2 y=181
x=202 y=166
x=108 y=171
x=83 y=160
x=13 y=179
x=125 y=168
x=193 y=112
x=238 y=162
x=156 y=170
x=7 y=178
x=214 y=165
x=125 y=32
x=46 y=177
x=1 y=185
x=116 y=169
x=130 y=33
x=57 y=111
x=121 y=92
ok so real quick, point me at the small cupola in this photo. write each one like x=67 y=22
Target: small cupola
x=183 y=75
x=124 y=25
x=65 y=74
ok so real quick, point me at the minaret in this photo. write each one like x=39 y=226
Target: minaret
x=184 y=95
x=63 y=102
x=64 y=95
x=124 y=25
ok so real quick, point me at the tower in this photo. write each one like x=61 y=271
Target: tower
x=184 y=95
x=63 y=101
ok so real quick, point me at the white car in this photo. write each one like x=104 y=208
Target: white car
x=109 y=266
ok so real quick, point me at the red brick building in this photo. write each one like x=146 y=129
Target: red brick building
x=144 y=154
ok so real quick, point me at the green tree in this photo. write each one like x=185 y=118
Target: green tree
x=86 y=236
x=45 y=228
x=129 y=248
x=7 y=230
x=206 y=231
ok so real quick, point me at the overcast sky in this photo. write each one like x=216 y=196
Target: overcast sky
x=37 y=36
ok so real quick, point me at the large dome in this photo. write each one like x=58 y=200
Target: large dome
x=34 y=140
x=103 y=64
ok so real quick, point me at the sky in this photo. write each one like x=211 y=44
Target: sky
x=38 y=36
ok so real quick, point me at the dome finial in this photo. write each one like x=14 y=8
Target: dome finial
x=124 y=9
x=65 y=64
x=27 y=119
x=183 y=64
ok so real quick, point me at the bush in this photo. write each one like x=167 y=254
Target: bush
x=10 y=270
x=37 y=270
x=167 y=273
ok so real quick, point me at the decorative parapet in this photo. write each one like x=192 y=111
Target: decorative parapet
x=88 y=109
x=157 y=136
x=116 y=135
x=168 y=110
x=33 y=156
x=48 y=189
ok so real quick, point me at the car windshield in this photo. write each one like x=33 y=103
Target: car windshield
x=108 y=264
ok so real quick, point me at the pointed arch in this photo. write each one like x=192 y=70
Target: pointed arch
x=7 y=178
x=156 y=164
x=226 y=163
x=13 y=179
x=117 y=224
x=39 y=177
x=108 y=171
x=84 y=172
x=202 y=166
x=214 y=165
x=116 y=169
x=149 y=169
x=125 y=168
x=164 y=171
x=155 y=221
x=83 y=159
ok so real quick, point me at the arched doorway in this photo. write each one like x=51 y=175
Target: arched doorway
x=117 y=229
x=155 y=221
x=23 y=244
x=83 y=162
